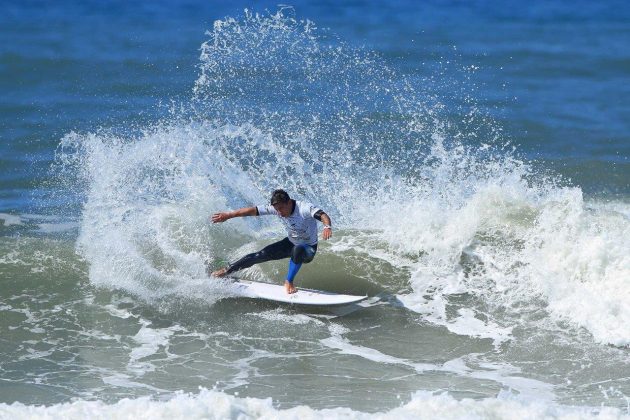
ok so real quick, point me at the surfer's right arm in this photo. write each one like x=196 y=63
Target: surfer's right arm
x=226 y=215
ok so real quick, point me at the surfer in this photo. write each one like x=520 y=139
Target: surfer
x=300 y=245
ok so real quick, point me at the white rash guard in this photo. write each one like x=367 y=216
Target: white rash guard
x=301 y=224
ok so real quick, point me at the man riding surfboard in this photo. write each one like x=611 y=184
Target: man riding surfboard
x=300 y=219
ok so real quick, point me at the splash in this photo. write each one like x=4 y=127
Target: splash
x=433 y=187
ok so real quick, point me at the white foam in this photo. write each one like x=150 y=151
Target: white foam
x=10 y=219
x=46 y=224
x=57 y=227
x=149 y=235
x=345 y=347
x=528 y=244
x=117 y=312
x=504 y=374
x=209 y=404
x=150 y=340
x=579 y=260
x=281 y=316
x=124 y=381
x=468 y=324
x=34 y=354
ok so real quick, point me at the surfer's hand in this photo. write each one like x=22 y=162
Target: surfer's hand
x=220 y=217
x=327 y=233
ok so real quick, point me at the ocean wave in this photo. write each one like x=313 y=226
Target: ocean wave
x=210 y=404
x=435 y=187
x=514 y=245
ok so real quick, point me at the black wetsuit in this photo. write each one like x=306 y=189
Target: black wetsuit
x=276 y=251
x=300 y=244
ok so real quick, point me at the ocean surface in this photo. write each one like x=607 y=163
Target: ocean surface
x=474 y=158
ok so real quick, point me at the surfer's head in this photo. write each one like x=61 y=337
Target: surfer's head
x=281 y=201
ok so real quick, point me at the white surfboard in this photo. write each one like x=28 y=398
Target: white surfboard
x=277 y=293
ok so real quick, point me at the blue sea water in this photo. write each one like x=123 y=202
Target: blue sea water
x=554 y=73
x=474 y=157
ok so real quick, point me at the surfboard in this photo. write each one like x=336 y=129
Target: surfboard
x=303 y=296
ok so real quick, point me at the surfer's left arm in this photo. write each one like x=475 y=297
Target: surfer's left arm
x=325 y=219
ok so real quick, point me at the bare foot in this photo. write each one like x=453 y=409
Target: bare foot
x=220 y=273
x=289 y=287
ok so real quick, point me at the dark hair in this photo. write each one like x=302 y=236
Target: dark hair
x=279 y=196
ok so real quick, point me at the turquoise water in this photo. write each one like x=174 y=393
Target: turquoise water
x=473 y=158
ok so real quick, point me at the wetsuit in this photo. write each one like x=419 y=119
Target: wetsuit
x=300 y=243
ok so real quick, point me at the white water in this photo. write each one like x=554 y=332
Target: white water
x=209 y=404
x=449 y=221
x=461 y=216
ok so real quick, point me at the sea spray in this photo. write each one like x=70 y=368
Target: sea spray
x=280 y=103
